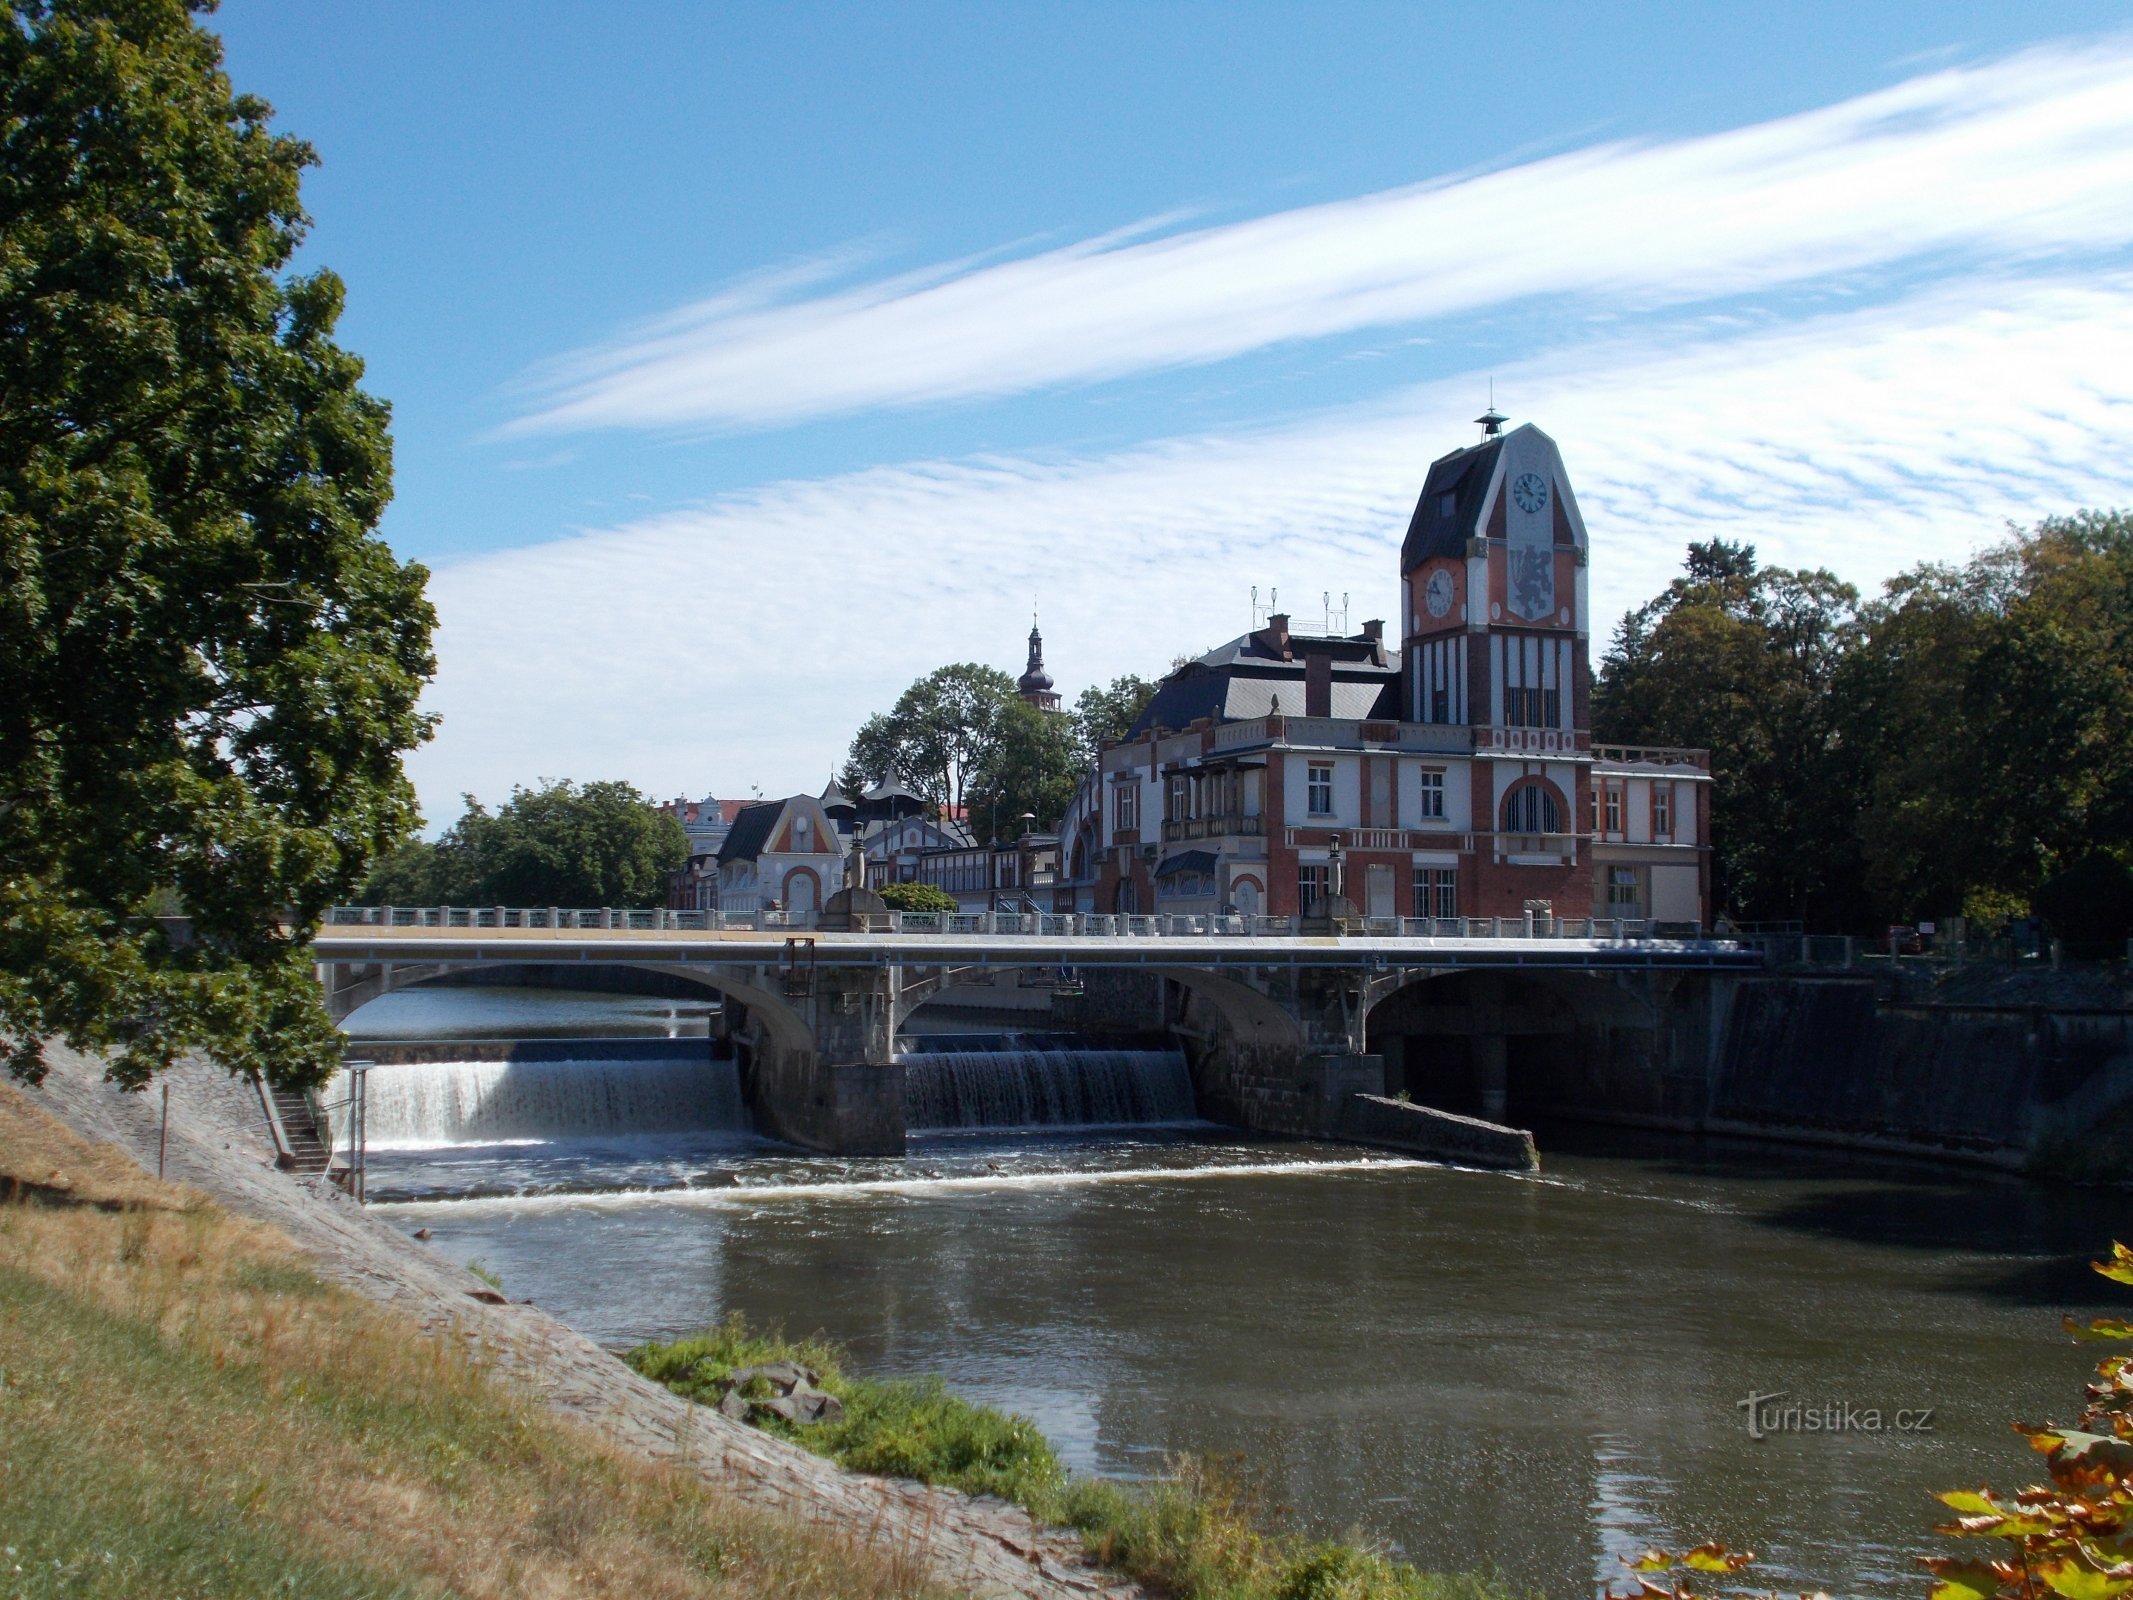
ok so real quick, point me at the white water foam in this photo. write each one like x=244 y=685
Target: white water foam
x=742 y=1196
x=440 y=1105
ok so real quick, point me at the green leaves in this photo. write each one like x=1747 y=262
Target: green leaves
x=212 y=664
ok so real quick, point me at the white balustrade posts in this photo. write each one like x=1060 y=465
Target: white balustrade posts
x=1536 y=926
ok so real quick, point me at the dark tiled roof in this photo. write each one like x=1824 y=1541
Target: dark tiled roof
x=744 y=841
x=1436 y=530
x=1245 y=689
x=1186 y=861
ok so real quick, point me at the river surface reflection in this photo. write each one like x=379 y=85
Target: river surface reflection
x=1541 y=1372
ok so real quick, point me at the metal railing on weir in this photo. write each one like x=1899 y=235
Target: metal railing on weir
x=1008 y=924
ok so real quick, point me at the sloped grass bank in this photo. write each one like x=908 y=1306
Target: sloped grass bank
x=1195 y=1535
x=187 y=1410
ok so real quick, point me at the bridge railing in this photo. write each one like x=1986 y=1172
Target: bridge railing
x=1024 y=924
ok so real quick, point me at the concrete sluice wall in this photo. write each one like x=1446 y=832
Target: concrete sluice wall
x=1827 y=1054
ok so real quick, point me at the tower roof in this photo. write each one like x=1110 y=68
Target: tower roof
x=1034 y=680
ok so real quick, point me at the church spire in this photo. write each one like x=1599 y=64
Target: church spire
x=1035 y=684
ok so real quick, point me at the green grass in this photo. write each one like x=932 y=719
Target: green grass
x=85 y=1519
x=1196 y=1534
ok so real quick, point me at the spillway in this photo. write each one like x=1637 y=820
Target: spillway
x=1040 y=1082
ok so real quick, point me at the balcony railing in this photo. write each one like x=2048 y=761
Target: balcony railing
x=1651 y=755
x=1178 y=828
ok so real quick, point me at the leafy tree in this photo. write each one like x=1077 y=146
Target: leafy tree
x=916 y=897
x=1106 y=711
x=211 y=664
x=1987 y=716
x=1032 y=766
x=938 y=733
x=558 y=845
x=1740 y=659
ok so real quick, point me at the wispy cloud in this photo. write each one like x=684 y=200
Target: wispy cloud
x=741 y=642
x=2021 y=158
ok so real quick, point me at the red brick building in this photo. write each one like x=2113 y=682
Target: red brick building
x=1448 y=773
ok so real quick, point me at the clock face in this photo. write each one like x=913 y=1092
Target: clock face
x=1530 y=490
x=1438 y=595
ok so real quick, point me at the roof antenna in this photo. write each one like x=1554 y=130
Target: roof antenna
x=1492 y=420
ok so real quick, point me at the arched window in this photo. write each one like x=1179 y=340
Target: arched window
x=1529 y=808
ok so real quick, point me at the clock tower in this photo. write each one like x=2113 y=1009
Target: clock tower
x=1495 y=651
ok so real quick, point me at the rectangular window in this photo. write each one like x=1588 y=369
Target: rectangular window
x=1126 y=806
x=1312 y=886
x=1611 y=820
x=1432 y=796
x=1623 y=899
x=1319 y=791
x=1531 y=708
x=1180 y=799
x=1440 y=705
x=1436 y=891
x=1663 y=811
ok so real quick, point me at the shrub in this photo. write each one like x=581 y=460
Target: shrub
x=917 y=897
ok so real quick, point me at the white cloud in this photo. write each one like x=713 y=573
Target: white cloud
x=2018 y=159
x=741 y=643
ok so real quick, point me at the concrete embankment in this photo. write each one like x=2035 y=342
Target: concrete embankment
x=216 y=1143
x=1439 y=1135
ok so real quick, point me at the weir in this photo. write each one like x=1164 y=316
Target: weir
x=1044 y=1081
x=548 y=1091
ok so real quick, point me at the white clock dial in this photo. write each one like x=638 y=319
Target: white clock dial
x=1530 y=490
x=1438 y=594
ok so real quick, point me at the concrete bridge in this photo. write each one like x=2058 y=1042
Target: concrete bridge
x=1280 y=1028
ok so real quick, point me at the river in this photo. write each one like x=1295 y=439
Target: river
x=1544 y=1373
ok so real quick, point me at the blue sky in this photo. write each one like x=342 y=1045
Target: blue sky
x=749 y=361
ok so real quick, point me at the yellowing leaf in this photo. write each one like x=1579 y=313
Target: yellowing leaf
x=1962 y=1580
x=1650 y=1561
x=2099 y=1329
x=1714 y=1557
x=2119 y=1269
x=2077 y=1580
x=1970 y=1502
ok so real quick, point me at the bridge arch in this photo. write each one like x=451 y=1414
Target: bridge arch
x=349 y=988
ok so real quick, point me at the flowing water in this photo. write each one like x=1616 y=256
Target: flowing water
x=1544 y=1372
x=1039 y=1081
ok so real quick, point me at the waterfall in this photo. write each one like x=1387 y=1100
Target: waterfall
x=436 y=1104
x=1035 y=1082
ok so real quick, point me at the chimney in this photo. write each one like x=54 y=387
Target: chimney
x=1318 y=685
x=1277 y=627
x=1374 y=630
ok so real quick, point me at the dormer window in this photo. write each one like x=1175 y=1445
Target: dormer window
x=1448 y=504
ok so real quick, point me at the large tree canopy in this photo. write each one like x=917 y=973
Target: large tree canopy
x=1988 y=713
x=558 y=845
x=1951 y=746
x=211 y=665
x=1739 y=658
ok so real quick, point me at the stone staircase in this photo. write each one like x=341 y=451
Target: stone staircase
x=304 y=1149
